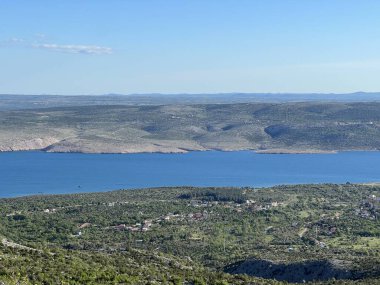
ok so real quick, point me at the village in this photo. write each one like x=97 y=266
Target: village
x=148 y=224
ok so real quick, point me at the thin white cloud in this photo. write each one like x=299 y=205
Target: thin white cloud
x=75 y=49
x=78 y=49
x=16 y=40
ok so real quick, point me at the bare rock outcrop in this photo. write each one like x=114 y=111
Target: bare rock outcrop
x=29 y=144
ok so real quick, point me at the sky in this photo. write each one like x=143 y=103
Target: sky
x=189 y=46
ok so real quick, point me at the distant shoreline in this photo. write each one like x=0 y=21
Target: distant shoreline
x=184 y=151
x=289 y=151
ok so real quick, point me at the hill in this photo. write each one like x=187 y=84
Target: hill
x=185 y=235
x=266 y=127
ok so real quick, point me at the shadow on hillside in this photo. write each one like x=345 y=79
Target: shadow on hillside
x=319 y=270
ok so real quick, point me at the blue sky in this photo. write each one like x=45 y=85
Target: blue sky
x=192 y=46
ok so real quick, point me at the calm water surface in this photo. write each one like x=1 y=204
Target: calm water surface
x=26 y=173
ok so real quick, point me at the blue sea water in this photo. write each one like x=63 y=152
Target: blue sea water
x=27 y=173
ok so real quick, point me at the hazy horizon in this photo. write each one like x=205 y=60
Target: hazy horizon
x=199 y=94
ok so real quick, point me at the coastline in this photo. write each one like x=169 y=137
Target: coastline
x=176 y=150
x=295 y=151
x=181 y=151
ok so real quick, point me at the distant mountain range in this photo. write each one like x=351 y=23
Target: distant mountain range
x=22 y=101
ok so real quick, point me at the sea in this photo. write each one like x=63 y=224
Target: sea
x=34 y=173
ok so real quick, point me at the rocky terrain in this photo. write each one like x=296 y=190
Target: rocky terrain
x=263 y=127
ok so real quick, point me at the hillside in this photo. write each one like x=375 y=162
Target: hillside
x=267 y=127
x=185 y=235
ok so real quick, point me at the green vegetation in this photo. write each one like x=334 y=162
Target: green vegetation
x=194 y=236
x=285 y=127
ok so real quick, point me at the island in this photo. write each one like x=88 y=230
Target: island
x=278 y=127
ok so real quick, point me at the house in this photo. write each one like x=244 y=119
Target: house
x=50 y=210
x=332 y=231
x=198 y=216
x=274 y=204
x=120 y=227
x=167 y=218
x=85 y=225
x=134 y=229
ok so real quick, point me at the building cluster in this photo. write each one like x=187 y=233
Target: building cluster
x=170 y=217
x=256 y=207
x=50 y=211
x=369 y=208
x=200 y=214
